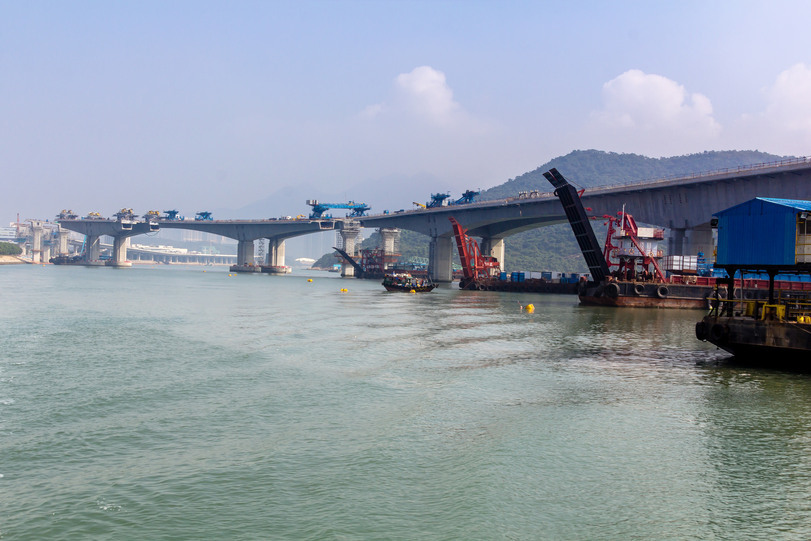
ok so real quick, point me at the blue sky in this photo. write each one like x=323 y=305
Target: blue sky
x=219 y=104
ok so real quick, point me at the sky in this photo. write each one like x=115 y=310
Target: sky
x=218 y=105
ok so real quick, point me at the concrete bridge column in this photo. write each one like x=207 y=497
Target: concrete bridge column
x=675 y=241
x=92 y=249
x=276 y=252
x=349 y=235
x=245 y=251
x=701 y=240
x=390 y=237
x=440 y=259
x=64 y=235
x=494 y=247
x=120 y=245
x=36 y=242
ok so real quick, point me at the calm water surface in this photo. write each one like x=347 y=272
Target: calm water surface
x=173 y=403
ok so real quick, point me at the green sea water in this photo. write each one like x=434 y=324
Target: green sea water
x=183 y=403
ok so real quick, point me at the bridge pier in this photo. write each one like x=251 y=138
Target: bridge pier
x=349 y=235
x=440 y=259
x=36 y=242
x=494 y=247
x=92 y=250
x=276 y=252
x=119 y=258
x=245 y=257
x=390 y=236
x=64 y=235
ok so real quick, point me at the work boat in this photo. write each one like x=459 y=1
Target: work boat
x=770 y=236
x=406 y=283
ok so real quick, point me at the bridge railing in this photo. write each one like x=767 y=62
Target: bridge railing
x=726 y=170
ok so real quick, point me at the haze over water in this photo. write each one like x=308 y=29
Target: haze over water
x=173 y=403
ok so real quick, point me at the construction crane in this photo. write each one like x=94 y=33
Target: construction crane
x=203 y=216
x=152 y=215
x=67 y=215
x=124 y=214
x=357 y=209
x=172 y=215
x=421 y=205
x=475 y=265
x=437 y=200
x=468 y=197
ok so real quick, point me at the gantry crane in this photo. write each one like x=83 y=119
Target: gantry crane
x=358 y=209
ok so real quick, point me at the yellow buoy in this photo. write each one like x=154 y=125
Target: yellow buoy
x=529 y=308
x=309 y=279
x=344 y=290
x=412 y=291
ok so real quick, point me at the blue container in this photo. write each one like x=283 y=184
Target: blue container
x=546 y=275
x=520 y=276
x=759 y=232
x=503 y=276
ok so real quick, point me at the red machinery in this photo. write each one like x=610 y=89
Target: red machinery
x=475 y=266
x=626 y=226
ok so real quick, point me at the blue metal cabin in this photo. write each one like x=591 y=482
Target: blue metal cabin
x=765 y=233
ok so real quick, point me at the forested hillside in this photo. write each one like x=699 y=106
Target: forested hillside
x=554 y=247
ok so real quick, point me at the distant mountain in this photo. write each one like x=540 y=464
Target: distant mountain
x=589 y=168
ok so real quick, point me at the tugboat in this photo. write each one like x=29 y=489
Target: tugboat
x=406 y=283
x=771 y=236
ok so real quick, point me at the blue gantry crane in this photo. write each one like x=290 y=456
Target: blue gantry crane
x=438 y=199
x=468 y=197
x=357 y=209
x=203 y=216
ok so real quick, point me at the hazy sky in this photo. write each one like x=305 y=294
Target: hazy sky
x=217 y=104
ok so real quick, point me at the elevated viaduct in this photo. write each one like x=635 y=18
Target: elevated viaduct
x=684 y=205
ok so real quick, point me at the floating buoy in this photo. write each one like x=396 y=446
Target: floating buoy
x=530 y=308
x=344 y=290
x=309 y=279
x=412 y=291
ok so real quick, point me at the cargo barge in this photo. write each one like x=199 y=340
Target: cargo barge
x=770 y=236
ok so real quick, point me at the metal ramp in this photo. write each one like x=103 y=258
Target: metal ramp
x=583 y=232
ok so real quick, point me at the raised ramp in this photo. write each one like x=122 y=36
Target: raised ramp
x=583 y=232
x=358 y=268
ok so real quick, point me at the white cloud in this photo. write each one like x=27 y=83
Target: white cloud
x=651 y=114
x=423 y=96
x=789 y=99
x=425 y=92
x=784 y=125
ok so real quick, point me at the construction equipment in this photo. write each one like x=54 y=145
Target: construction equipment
x=172 y=215
x=203 y=216
x=468 y=197
x=421 y=205
x=373 y=262
x=583 y=232
x=437 y=200
x=475 y=266
x=152 y=215
x=67 y=215
x=631 y=250
x=124 y=214
x=357 y=209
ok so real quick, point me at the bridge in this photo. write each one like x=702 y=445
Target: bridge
x=684 y=205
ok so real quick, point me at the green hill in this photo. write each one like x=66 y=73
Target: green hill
x=554 y=247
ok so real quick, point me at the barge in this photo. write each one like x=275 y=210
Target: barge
x=770 y=236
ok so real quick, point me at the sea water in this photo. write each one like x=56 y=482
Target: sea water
x=177 y=403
